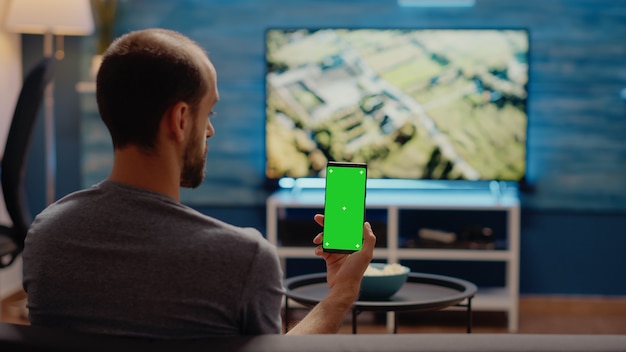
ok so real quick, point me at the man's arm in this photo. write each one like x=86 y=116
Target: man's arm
x=344 y=274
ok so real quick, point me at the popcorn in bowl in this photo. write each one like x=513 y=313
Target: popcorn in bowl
x=387 y=269
x=381 y=281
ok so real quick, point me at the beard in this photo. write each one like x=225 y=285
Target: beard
x=194 y=161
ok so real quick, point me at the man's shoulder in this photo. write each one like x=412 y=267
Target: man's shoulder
x=236 y=235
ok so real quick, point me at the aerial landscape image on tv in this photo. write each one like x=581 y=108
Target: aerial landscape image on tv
x=412 y=104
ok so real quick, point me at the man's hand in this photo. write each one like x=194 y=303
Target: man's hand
x=346 y=269
x=344 y=273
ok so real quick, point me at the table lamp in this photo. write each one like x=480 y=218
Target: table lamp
x=50 y=18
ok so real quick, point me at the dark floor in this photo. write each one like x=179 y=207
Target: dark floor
x=538 y=315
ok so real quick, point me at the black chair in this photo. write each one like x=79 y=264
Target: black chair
x=15 y=157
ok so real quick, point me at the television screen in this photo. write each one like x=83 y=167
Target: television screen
x=440 y=104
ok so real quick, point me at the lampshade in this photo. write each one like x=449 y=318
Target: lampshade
x=59 y=17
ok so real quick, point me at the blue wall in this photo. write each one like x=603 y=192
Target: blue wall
x=577 y=157
x=573 y=224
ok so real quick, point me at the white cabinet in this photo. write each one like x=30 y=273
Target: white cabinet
x=395 y=203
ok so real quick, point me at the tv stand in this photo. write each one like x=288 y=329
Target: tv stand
x=495 y=187
x=403 y=206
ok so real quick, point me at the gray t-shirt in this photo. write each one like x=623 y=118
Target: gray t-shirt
x=116 y=259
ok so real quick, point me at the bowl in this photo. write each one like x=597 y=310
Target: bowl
x=381 y=281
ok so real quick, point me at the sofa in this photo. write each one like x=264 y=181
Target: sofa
x=15 y=337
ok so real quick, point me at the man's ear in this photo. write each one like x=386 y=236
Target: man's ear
x=177 y=120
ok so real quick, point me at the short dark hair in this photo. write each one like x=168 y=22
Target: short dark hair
x=144 y=73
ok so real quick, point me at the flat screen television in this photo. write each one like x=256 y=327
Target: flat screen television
x=420 y=104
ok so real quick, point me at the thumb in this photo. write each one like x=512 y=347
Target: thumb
x=369 y=239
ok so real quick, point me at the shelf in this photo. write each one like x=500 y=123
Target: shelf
x=454 y=254
x=503 y=211
x=419 y=254
x=492 y=299
x=309 y=252
x=406 y=199
x=495 y=299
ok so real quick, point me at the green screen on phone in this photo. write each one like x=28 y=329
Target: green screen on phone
x=344 y=206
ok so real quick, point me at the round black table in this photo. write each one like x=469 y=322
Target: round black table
x=421 y=292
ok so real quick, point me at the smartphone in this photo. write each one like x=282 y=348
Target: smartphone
x=344 y=206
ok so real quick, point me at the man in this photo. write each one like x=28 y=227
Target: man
x=125 y=257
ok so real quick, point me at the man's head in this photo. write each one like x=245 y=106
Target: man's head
x=144 y=74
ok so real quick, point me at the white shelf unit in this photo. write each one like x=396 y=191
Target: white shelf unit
x=504 y=298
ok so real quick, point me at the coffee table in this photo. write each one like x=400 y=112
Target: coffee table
x=421 y=292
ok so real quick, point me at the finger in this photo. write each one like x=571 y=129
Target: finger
x=369 y=239
x=319 y=219
x=318 y=238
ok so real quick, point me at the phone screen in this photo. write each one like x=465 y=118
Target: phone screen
x=344 y=207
